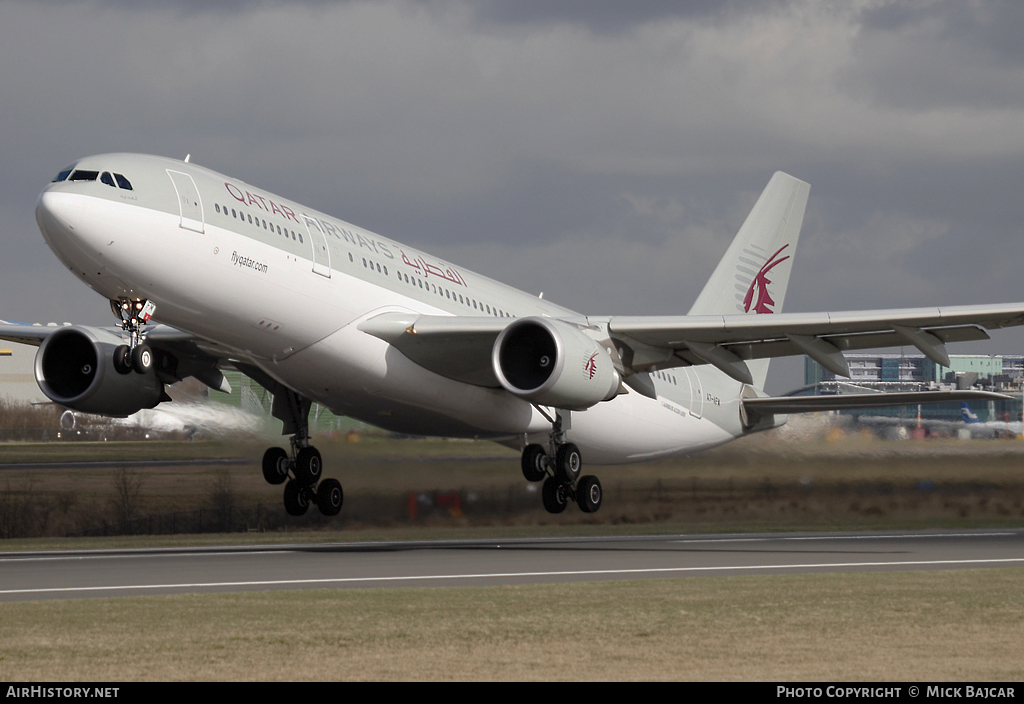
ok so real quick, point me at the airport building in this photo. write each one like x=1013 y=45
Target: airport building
x=17 y=381
x=915 y=372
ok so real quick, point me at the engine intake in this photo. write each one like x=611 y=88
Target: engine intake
x=553 y=364
x=75 y=368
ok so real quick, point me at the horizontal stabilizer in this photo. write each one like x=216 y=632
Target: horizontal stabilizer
x=838 y=402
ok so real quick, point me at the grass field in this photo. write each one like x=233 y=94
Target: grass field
x=797 y=479
x=937 y=626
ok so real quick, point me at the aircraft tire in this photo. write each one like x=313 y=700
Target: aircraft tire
x=329 y=497
x=296 y=498
x=553 y=494
x=533 y=463
x=275 y=465
x=568 y=463
x=142 y=359
x=589 y=494
x=122 y=359
x=308 y=465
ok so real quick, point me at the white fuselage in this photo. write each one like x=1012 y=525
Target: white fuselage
x=284 y=287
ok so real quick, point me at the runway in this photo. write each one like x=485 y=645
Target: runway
x=106 y=573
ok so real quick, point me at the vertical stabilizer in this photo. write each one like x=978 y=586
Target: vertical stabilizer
x=754 y=273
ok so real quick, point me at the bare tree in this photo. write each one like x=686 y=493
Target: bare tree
x=128 y=487
x=223 y=498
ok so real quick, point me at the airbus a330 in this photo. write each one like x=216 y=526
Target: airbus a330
x=205 y=273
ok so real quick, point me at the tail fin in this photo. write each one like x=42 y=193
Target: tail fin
x=753 y=275
x=967 y=414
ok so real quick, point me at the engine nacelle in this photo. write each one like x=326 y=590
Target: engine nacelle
x=553 y=364
x=75 y=368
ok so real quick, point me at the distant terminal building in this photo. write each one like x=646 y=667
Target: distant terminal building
x=915 y=372
x=17 y=380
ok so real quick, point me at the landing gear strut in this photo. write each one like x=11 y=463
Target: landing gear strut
x=300 y=471
x=559 y=466
x=134 y=315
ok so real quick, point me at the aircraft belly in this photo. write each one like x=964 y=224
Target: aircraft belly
x=364 y=377
x=633 y=428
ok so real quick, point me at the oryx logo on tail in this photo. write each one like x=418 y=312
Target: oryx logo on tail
x=760 y=282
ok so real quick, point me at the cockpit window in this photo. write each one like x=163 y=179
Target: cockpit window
x=63 y=175
x=82 y=175
x=123 y=182
x=106 y=178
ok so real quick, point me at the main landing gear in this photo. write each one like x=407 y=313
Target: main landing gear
x=559 y=467
x=136 y=355
x=301 y=471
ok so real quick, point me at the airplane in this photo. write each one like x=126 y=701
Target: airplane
x=975 y=423
x=204 y=273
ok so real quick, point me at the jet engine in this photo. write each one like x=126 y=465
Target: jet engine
x=75 y=368
x=553 y=363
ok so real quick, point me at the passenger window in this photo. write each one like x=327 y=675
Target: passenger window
x=217 y=207
x=106 y=178
x=124 y=183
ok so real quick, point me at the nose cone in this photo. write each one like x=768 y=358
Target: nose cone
x=57 y=214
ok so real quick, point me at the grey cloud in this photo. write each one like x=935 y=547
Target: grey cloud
x=941 y=54
x=609 y=17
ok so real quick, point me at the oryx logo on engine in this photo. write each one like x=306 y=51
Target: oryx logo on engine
x=590 y=368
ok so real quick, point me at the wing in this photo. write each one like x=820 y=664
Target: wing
x=460 y=347
x=26 y=334
x=184 y=355
x=727 y=341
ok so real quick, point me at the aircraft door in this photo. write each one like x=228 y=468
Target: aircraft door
x=696 y=392
x=321 y=254
x=189 y=203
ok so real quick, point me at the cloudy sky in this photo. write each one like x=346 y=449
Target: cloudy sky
x=602 y=152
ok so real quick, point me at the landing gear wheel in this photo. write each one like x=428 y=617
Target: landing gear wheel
x=329 y=497
x=568 y=463
x=296 y=498
x=589 y=494
x=554 y=495
x=534 y=459
x=142 y=359
x=122 y=359
x=308 y=465
x=275 y=465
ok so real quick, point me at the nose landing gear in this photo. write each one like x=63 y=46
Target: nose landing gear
x=134 y=315
x=560 y=466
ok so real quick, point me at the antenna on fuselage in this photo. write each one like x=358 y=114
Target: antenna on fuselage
x=187 y=157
